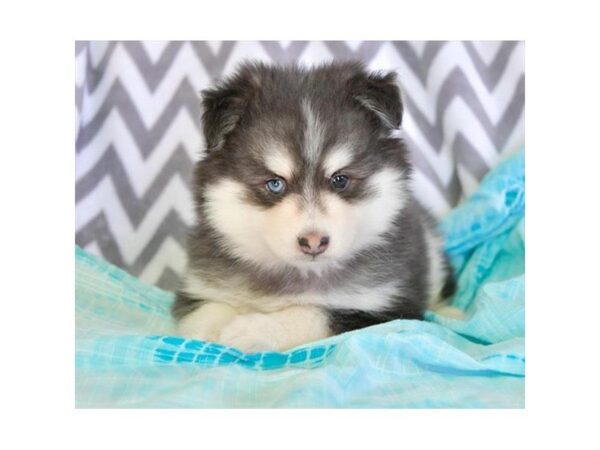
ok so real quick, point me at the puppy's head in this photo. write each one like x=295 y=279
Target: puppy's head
x=300 y=168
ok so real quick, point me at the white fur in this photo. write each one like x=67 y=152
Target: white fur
x=280 y=330
x=374 y=215
x=280 y=163
x=450 y=312
x=338 y=158
x=437 y=278
x=436 y=274
x=314 y=133
x=243 y=225
x=206 y=322
x=255 y=331
x=236 y=293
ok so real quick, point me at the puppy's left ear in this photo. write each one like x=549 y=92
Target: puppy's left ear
x=379 y=94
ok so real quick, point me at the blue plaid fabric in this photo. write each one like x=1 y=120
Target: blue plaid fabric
x=127 y=355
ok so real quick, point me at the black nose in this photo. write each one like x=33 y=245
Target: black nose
x=313 y=243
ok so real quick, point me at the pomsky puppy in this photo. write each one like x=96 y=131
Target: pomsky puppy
x=306 y=226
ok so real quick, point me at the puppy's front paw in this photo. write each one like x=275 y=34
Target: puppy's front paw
x=252 y=333
x=206 y=322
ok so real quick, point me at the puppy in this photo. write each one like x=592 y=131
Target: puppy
x=306 y=224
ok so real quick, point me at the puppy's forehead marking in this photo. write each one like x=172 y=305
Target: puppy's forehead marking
x=279 y=161
x=314 y=133
x=337 y=158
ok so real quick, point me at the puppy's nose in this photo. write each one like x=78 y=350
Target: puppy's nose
x=313 y=243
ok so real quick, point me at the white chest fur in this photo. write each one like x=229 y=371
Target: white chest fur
x=237 y=294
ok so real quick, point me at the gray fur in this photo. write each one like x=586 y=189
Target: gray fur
x=261 y=103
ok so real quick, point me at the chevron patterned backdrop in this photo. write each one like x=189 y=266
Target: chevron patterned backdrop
x=138 y=132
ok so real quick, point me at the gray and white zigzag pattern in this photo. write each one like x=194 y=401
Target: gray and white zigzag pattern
x=138 y=132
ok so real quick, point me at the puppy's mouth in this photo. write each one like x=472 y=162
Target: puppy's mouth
x=314 y=261
x=315 y=265
x=314 y=258
x=308 y=259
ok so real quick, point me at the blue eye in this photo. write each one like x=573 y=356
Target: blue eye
x=276 y=186
x=339 y=182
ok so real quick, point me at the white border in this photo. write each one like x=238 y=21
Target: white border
x=562 y=223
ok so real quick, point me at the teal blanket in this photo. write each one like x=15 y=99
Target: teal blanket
x=126 y=355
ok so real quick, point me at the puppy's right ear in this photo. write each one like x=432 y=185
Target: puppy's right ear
x=224 y=105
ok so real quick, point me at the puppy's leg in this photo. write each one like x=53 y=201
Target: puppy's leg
x=206 y=322
x=280 y=330
x=440 y=304
x=441 y=278
x=450 y=312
